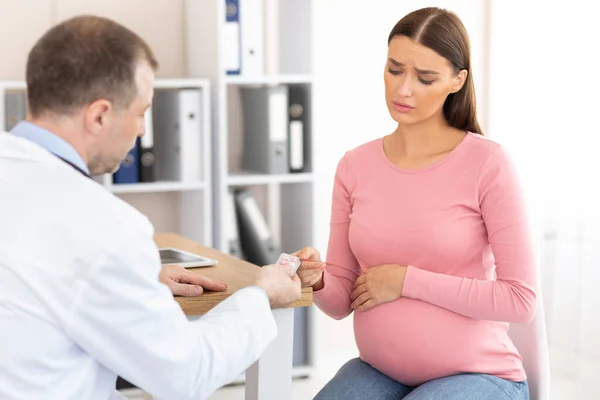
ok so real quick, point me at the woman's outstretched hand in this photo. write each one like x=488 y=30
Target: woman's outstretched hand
x=311 y=269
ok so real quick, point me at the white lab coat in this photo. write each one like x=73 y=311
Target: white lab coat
x=80 y=300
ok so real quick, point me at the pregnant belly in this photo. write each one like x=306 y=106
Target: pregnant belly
x=412 y=342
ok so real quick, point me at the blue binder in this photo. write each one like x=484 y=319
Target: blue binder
x=129 y=171
x=232 y=37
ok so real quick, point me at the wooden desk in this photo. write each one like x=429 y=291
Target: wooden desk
x=270 y=378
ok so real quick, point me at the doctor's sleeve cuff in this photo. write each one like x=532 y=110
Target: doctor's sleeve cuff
x=261 y=290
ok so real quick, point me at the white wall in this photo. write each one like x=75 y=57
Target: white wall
x=350 y=40
x=31 y=18
x=544 y=94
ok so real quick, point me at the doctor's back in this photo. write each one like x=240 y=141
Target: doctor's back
x=59 y=229
x=80 y=297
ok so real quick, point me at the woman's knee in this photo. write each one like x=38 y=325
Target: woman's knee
x=358 y=380
x=353 y=367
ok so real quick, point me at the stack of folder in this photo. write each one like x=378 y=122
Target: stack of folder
x=275 y=120
x=171 y=148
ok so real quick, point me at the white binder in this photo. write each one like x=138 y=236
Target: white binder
x=191 y=134
x=252 y=37
x=177 y=122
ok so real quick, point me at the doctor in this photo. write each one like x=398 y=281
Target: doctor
x=80 y=296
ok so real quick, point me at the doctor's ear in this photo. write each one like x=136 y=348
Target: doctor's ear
x=459 y=81
x=97 y=116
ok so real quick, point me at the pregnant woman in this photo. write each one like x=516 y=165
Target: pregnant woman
x=429 y=243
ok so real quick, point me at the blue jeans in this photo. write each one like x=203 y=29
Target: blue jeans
x=357 y=380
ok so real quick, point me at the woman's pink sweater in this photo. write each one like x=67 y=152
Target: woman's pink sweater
x=460 y=225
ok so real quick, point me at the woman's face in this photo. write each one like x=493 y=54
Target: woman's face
x=417 y=81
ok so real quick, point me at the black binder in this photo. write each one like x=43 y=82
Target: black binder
x=298 y=128
x=256 y=237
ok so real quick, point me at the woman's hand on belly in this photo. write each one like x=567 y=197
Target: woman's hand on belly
x=378 y=285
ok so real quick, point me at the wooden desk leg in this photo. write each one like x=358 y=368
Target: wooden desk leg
x=270 y=378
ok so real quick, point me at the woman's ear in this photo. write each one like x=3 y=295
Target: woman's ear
x=459 y=80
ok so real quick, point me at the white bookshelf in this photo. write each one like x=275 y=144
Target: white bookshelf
x=249 y=179
x=286 y=200
x=177 y=206
x=268 y=79
x=157 y=187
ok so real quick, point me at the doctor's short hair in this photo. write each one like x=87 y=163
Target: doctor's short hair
x=81 y=60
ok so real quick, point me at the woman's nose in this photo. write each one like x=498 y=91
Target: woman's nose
x=404 y=87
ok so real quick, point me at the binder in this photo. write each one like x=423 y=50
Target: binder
x=256 y=238
x=147 y=158
x=272 y=36
x=177 y=124
x=252 y=37
x=265 y=116
x=234 y=247
x=232 y=37
x=123 y=384
x=128 y=171
x=298 y=126
x=15 y=109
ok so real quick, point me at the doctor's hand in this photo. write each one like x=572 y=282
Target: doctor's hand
x=378 y=285
x=280 y=288
x=183 y=282
x=311 y=269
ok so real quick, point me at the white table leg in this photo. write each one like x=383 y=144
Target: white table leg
x=270 y=378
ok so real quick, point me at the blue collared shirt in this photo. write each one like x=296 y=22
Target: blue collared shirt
x=50 y=142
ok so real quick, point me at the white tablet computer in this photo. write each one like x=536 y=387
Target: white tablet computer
x=170 y=255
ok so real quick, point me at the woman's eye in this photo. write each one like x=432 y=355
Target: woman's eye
x=393 y=71
x=425 y=82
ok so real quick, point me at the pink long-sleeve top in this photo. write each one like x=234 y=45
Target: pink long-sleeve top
x=460 y=225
